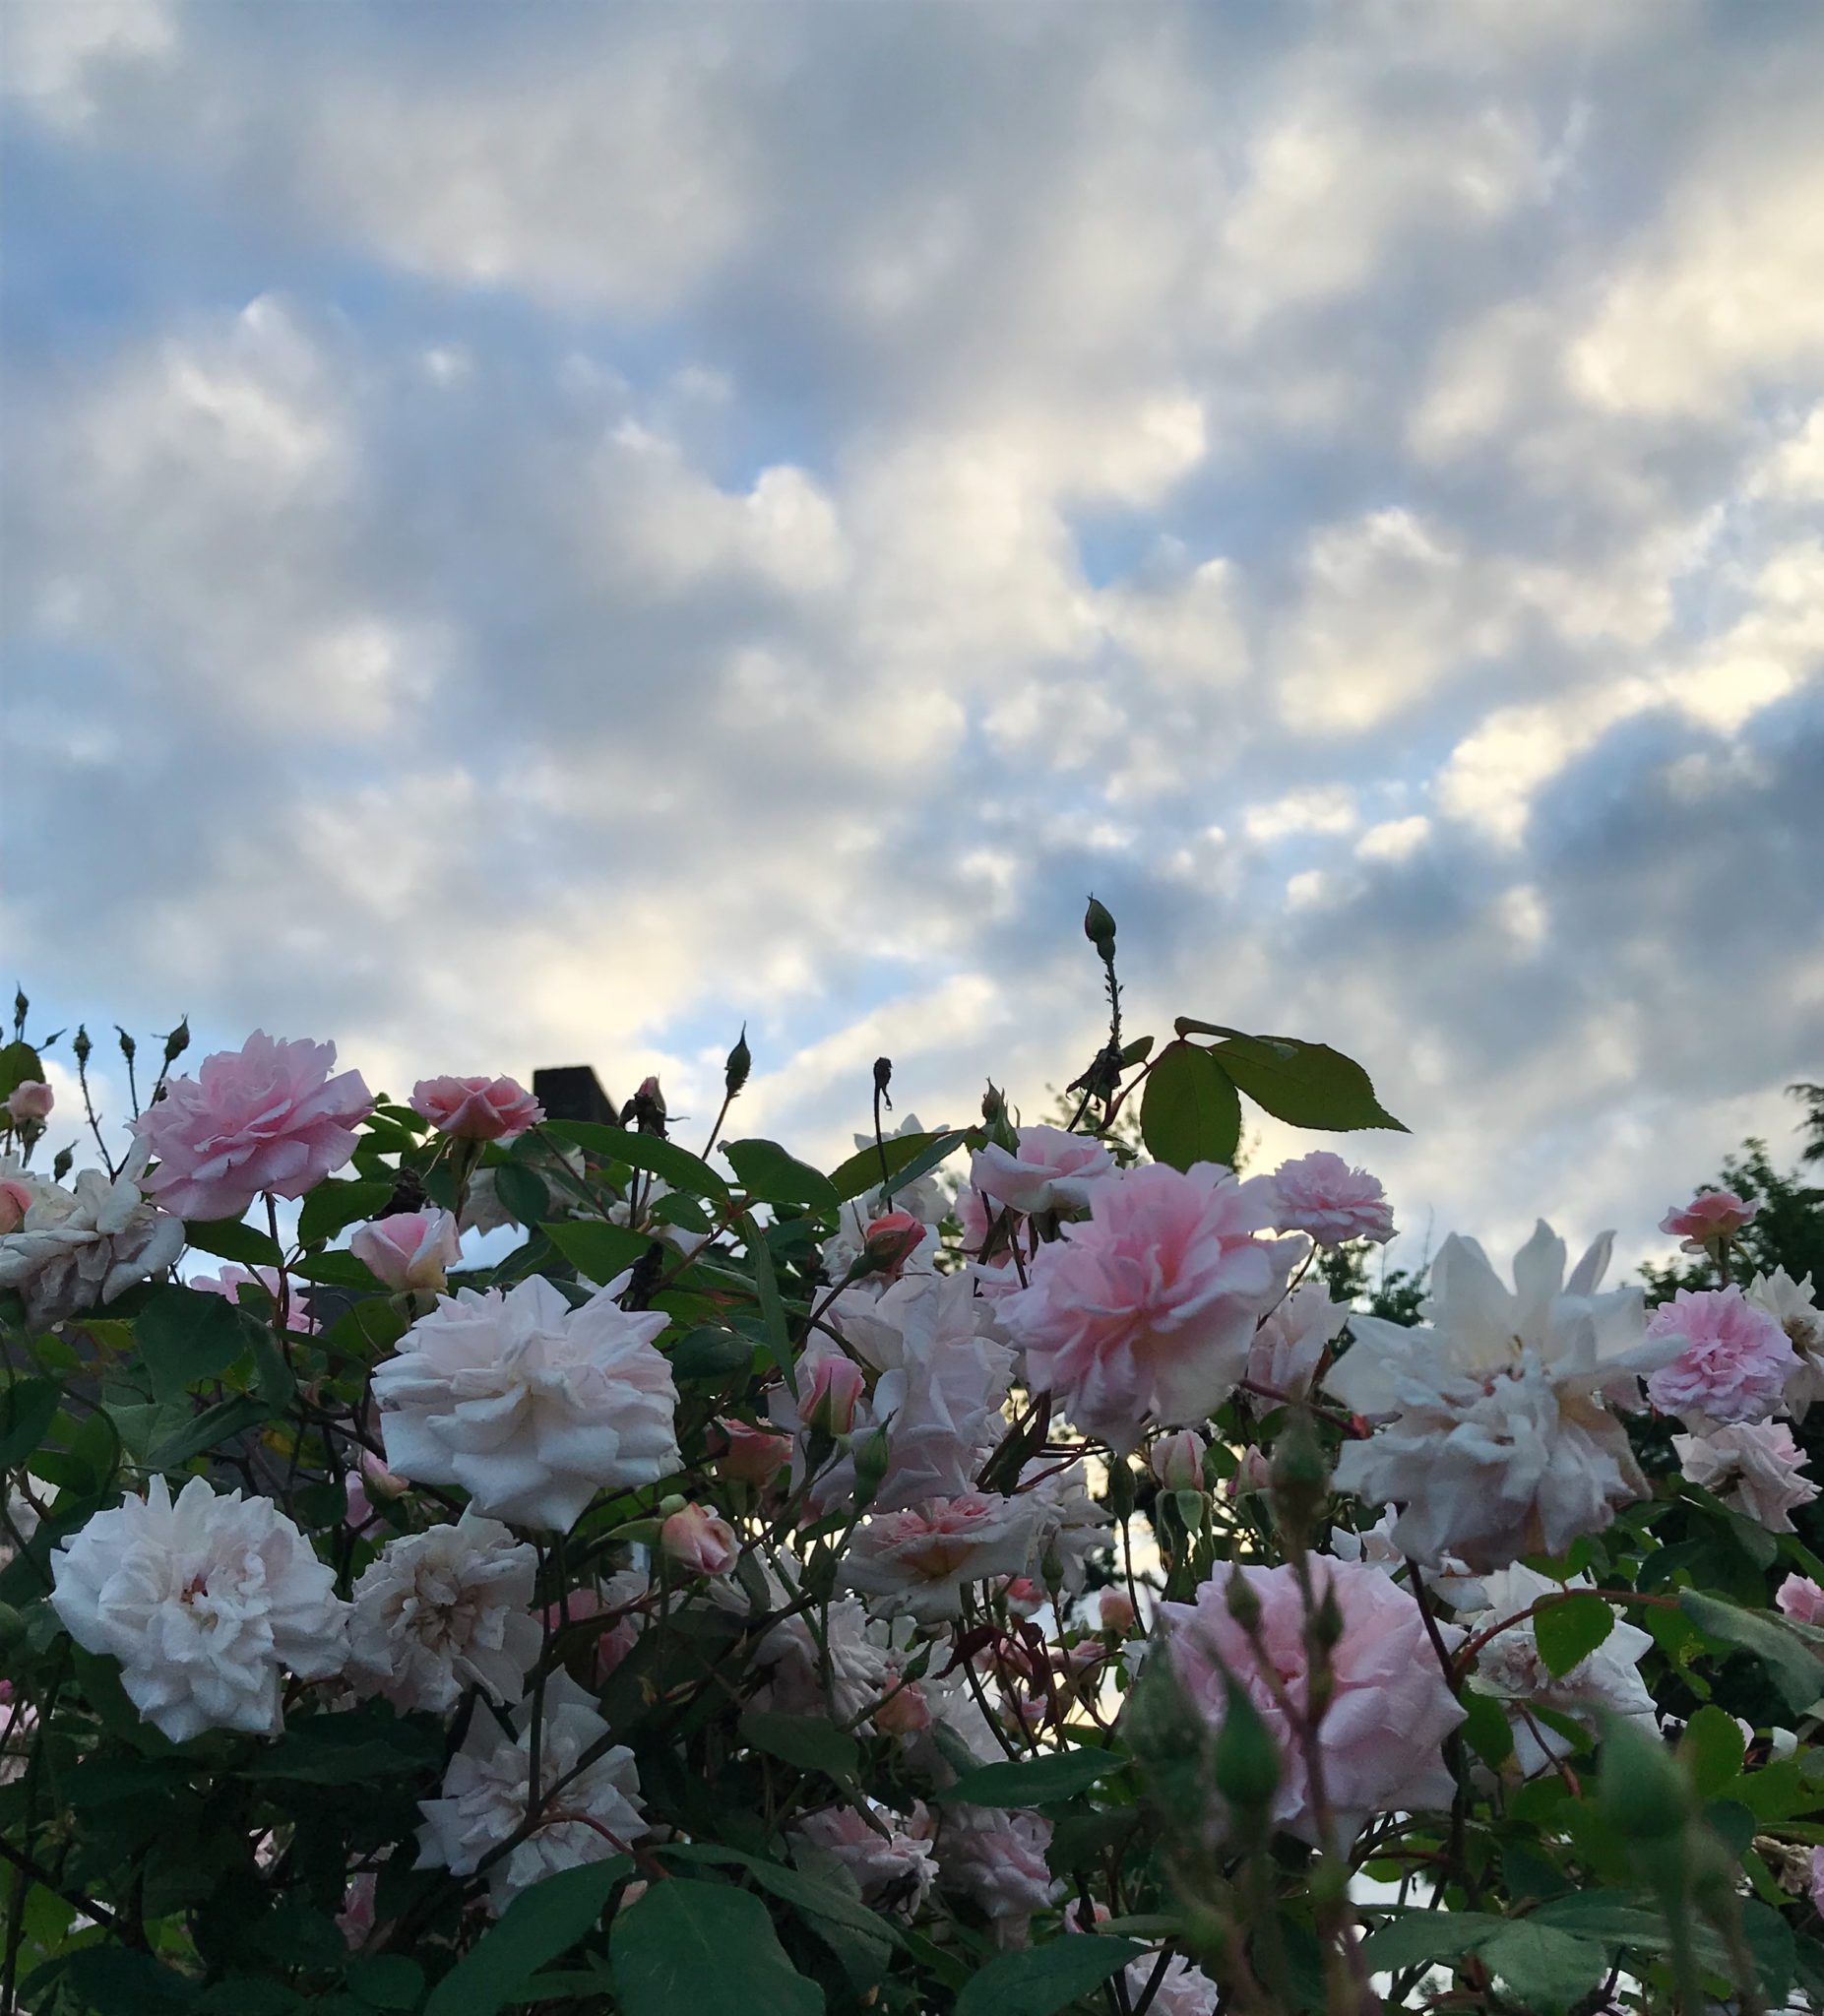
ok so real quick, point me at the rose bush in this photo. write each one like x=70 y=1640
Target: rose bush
x=460 y=1560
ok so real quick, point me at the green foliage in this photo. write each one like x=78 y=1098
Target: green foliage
x=689 y=1948
x=1189 y=1111
x=1044 y=1978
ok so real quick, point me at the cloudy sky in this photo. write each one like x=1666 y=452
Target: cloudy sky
x=539 y=534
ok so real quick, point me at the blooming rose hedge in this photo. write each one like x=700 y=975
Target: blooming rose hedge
x=545 y=1565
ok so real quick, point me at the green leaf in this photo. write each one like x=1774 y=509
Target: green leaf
x=537 y=1926
x=681 y=1169
x=331 y=1206
x=810 y=1745
x=1486 y=1728
x=1713 y=1746
x=186 y=1335
x=345 y=1750
x=860 y=1937
x=599 y=1252
x=771 y=1304
x=689 y=1948
x=334 y=1267
x=767 y=1173
x=26 y=1408
x=1189 y=1111
x=386 y=1980
x=707 y=1352
x=1419 y=1939
x=229 y=1238
x=1790 y=1662
x=113 y=1982
x=1546 y=1969
x=1308 y=1085
x=1039 y=1981
x=1035 y=1782
x=1571 y=1631
x=212 y=1425
x=521 y=1191
x=860 y=1172
x=18 y=1062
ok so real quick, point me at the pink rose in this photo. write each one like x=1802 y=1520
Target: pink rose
x=410 y=1249
x=1801 y=1600
x=746 y=1453
x=828 y=1400
x=1711 y=1216
x=614 y=1642
x=1320 y=1195
x=1380 y=1738
x=268 y=1117
x=476 y=1108
x=891 y=1241
x=699 y=1540
x=1733 y=1359
x=356 y=1916
x=30 y=1100
x=359 y=1510
x=1049 y=1171
x=1147 y=1311
x=379 y=1480
x=15 y=1202
x=231 y=1280
x=1177 y=1460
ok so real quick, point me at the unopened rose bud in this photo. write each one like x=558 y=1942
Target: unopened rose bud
x=1252 y=1473
x=672 y=1501
x=1024 y=1596
x=1098 y=928
x=1116 y=1608
x=178 y=1041
x=61 y=1163
x=744 y=1453
x=890 y=1241
x=30 y=1099
x=831 y=1396
x=15 y=1202
x=1177 y=1460
x=410 y=1249
x=872 y=1453
x=740 y=1064
x=632 y=1894
x=359 y=1510
x=379 y=1480
x=699 y=1540
x=81 y=1045
x=905 y=1710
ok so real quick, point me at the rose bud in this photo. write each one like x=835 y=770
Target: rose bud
x=30 y=1099
x=1024 y=1596
x=905 y=1710
x=890 y=1241
x=829 y=1400
x=1177 y=1460
x=15 y=1202
x=744 y=1453
x=379 y=1480
x=701 y=1540
x=1115 y=1607
x=411 y=1249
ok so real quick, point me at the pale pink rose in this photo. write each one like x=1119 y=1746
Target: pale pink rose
x=231 y=1280
x=618 y=1602
x=1711 y=1216
x=1733 y=1363
x=380 y=1482
x=1320 y=1195
x=1817 y=1879
x=266 y=1118
x=894 y=1869
x=917 y=1563
x=747 y=1453
x=1024 y=1596
x=828 y=1399
x=476 y=1108
x=15 y=1202
x=1049 y=1171
x=1289 y=1344
x=410 y=1249
x=1148 y=1310
x=700 y=1541
x=1801 y=1600
x=1177 y=1460
x=1754 y=1466
x=891 y=1241
x=998 y=1858
x=30 y=1100
x=359 y=1512
x=1254 y=1473
x=1115 y=1610
x=1380 y=1738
